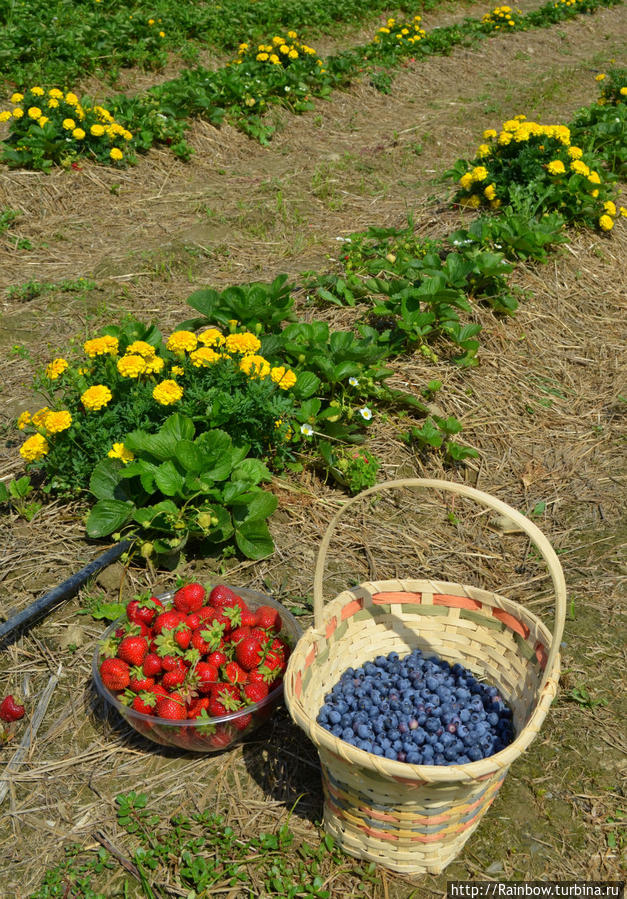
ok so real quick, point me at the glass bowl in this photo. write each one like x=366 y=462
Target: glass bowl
x=216 y=734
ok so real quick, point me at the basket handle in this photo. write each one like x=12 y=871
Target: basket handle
x=534 y=533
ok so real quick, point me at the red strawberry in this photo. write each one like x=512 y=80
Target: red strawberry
x=115 y=674
x=144 y=703
x=173 y=679
x=182 y=635
x=256 y=691
x=193 y=621
x=169 y=662
x=222 y=738
x=139 y=681
x=195 y=706
x=208 y=637
x=133 y=650
x=205 y=613
x=217 y=658
x=143 y=611
x=239 y=633
x=189 y=598
x=249 y=618
x=159 y=691
x=10 y=710
x=152 y=665
x=234 y=674
x=207 y=675
x=221 y=595
x=172 y=707
x=268 y=618
x=242 y=721
x=167 y=620
x=233 y=615
x=249 y=653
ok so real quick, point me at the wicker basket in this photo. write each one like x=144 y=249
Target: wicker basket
x=416 y=818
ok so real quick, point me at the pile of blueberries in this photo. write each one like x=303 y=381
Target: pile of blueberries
x=417 y=710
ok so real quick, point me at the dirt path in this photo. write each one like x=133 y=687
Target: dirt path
x=544 y=408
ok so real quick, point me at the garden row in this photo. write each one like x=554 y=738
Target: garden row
x=61 y=41
x=57 y=127
x=173 y=437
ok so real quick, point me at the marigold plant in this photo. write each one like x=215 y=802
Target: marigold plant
x=528 y=162
x=53 y=126
x=502 y=18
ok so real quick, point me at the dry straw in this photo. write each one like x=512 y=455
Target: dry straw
x=416 y=818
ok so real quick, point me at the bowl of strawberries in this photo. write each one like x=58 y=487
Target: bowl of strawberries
x=199 y=668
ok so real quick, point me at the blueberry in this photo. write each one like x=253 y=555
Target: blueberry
x=463 y=759
x=390 y=754
x=412 y=723
x=376 y=749
x=393 y=657
x=462 y=731
x=431 y=725
x=366 y=745
x=364 y=731
x=493 y=719
x=432 y=683
x=401 y=756
x=336 y=730
x=418 y=737
x=414 y=758
x=440 y=759
x=381 y=662
x=474 y=754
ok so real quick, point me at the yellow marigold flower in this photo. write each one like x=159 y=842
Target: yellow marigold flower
x=203 y=357
x=101 y=346
x=245 y=343
x=68 y=124
x=276 y=40
x=490 y=192
x=292 y=34
x=78 y=133
x=140 y=348
x=167 y=392
x=162 y=34
x=39 y=418
x=182 y=341
x=489 y=134
x=34 y=448
x=293 y=54
x=211 y=337
x=466 y=180
x=16 y=98
x=24 y=420
x=479 y=173
x=127 y=135
x=600 y=76
x=56 y=368
x=5 y=115
x=255 y=366
x=505 y=138
x=575 y=152
x=284 y=377
x=594 y=193
x=474 y=202
x=623 y=211
x=55 y=93
x=119 y=451
x=284 y=49
x=96 y=397
x=593 y=178
x=34 y=112
x=131 y=366
x=623 y=91
x=556 y=167
x=58 y=421
x=274 y=59
x=52 y=103
x=610 y=208
x=154 y=366
x=606 y=223
x=18 y=112
x=71 y=99
x=579 y=167
x=262 y=57
x=97 y=130
x=37 y=91
x=116 y=154
x=177 y=370
x=483 y=150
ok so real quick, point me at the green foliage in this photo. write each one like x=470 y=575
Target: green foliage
x=52 y=127
x=15 y=493
x=520 y=235
x=436 y=433
x=354 y=469
x=257 y=306
x=179 y=487
x=601 y=129
x=7 y=217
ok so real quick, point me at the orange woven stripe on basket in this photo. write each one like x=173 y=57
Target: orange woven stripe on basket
x=355 y=605
x=456 y=602
x=400 y=598
x=512 y=623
